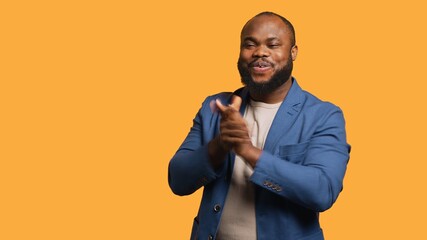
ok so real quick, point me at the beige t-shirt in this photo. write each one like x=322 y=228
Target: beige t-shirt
x=238 y=217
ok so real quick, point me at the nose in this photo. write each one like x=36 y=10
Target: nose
x=261 y=51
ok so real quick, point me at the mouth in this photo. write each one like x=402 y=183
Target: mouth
x=260 y=67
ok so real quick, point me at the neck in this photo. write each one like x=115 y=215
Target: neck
x=276 y=96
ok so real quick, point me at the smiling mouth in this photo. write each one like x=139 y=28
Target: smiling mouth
x=260 y=66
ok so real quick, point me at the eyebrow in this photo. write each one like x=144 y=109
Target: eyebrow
x=255 y=40
x=249 y=39
x=273 y=38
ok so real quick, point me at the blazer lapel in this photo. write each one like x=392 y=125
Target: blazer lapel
x=285 y=117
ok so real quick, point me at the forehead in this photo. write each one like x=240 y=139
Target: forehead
x=265 y=27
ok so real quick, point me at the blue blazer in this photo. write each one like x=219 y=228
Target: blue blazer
x=299 y=173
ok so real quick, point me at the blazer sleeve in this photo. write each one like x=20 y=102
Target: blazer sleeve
x=316 y=182
x=190 y=168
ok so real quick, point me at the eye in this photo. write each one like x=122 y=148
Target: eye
x=274 y=45
x=248 y=44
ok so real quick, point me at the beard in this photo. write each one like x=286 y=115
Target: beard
x=267 y=87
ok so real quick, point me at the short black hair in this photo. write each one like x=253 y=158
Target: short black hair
x=286 y=21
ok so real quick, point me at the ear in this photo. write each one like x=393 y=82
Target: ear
x=294 y=52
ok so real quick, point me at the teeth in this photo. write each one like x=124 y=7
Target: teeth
x=262 y=64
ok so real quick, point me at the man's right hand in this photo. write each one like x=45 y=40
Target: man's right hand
x=234 y=135
x=233 y=131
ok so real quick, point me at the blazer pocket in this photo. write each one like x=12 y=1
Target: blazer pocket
x=293 y=153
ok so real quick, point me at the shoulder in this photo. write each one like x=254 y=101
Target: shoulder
x=224 y=97
x=208 y=105
x=319 y=110
x=316 y=103
x=306 y=101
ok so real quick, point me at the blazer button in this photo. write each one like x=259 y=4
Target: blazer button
x=210 y=237
x=217 y=208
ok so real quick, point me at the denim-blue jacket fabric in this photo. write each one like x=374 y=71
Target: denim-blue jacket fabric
x=299 y=173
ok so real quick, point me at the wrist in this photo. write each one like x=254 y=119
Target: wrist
x=250 y=154
x=217 y=152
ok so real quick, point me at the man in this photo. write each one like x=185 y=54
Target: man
x=270 y=156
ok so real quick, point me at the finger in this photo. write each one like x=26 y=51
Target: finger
x=241 y=136
x=233 y=125
x=212 y=106
x=219 y=105
x=230 y=140
x=236 y=102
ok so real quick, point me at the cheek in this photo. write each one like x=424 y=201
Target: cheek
x=245 y=55
x=281 y=60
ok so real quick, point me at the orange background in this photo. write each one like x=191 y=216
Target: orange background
x=96 y=96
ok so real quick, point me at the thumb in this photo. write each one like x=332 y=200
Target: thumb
x=236 y=102
x=220 y=106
